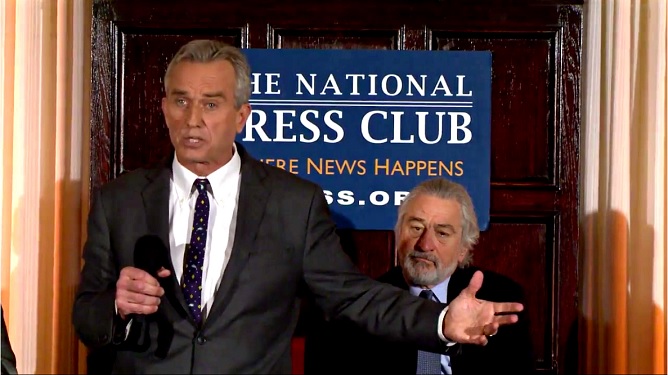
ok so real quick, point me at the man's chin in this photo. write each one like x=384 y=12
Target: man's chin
x=422 y=267
x=188 y=155
x=423 y=278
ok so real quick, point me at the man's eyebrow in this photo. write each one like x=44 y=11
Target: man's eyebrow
x=415 y=218
x=178 y=92
x=439 y=226
x=446 y=226
x=217 y=94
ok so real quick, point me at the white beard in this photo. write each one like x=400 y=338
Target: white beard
x=421 y=273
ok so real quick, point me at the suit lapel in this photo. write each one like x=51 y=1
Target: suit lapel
x=156 y=205
x=253 y=195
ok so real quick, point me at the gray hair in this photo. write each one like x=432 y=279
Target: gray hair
x=204 y=51
x=446 y=189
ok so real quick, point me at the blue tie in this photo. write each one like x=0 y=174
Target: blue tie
x=427 y=362
x=194 y=260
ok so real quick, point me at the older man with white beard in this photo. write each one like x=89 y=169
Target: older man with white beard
x=435 y=233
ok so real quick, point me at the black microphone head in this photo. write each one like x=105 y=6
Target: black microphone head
x=151 y=254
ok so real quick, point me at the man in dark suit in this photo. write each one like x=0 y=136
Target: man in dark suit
x=196 y=266
x=8 y=357
x=435 y=233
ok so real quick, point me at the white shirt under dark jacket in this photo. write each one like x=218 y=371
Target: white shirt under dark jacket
x=223 y=198
x=223 y=202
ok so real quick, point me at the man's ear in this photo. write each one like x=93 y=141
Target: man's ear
x=462 y=254
x=242 y=116
x=163 y=106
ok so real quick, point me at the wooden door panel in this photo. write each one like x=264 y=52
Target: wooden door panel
x=536 y=48
x=522 y=112
x=335 y=39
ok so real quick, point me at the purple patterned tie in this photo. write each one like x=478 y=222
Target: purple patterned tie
x=427 y=362
x=194 y=260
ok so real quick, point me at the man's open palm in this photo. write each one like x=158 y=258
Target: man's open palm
x=470 y=320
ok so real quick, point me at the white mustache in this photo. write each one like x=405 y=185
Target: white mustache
x=427 y=256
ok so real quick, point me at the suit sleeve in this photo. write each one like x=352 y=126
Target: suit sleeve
x=342 y=292
x=93 y=312
x=8 y=357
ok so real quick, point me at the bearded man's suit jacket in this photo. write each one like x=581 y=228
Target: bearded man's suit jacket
x=285 y=247
x=8 y=357
x=338 y=347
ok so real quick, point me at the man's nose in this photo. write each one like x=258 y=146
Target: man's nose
x=194 y=118
x=426 y=241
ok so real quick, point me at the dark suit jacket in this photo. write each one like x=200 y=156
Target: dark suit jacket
x=8 y=357
x=336 y=347
x=285 y=247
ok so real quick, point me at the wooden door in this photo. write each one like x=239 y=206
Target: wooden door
x=536 y=51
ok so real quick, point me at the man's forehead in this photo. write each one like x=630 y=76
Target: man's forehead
x=187 y=74
x=434 y=209
x=427 y=202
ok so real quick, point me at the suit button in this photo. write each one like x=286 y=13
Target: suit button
x=201 y=340
x=104 y=337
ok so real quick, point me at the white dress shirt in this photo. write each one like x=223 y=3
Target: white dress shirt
x=223 y=199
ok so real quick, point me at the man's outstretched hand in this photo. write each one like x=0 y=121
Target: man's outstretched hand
x=471 y=321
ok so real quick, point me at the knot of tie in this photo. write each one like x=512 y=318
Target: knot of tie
x=201 y=184
x=427 y=294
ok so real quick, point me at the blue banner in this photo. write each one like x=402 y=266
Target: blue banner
x=369 y=125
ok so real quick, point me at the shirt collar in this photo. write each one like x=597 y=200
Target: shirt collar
x=440 y=290
x=183 y=178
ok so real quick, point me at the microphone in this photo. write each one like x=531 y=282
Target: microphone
x=151 y=255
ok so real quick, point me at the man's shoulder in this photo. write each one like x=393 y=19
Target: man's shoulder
x=278 y=179
x=281 y=179
x=495 y=286
x=394 y=276
x=128 y=181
